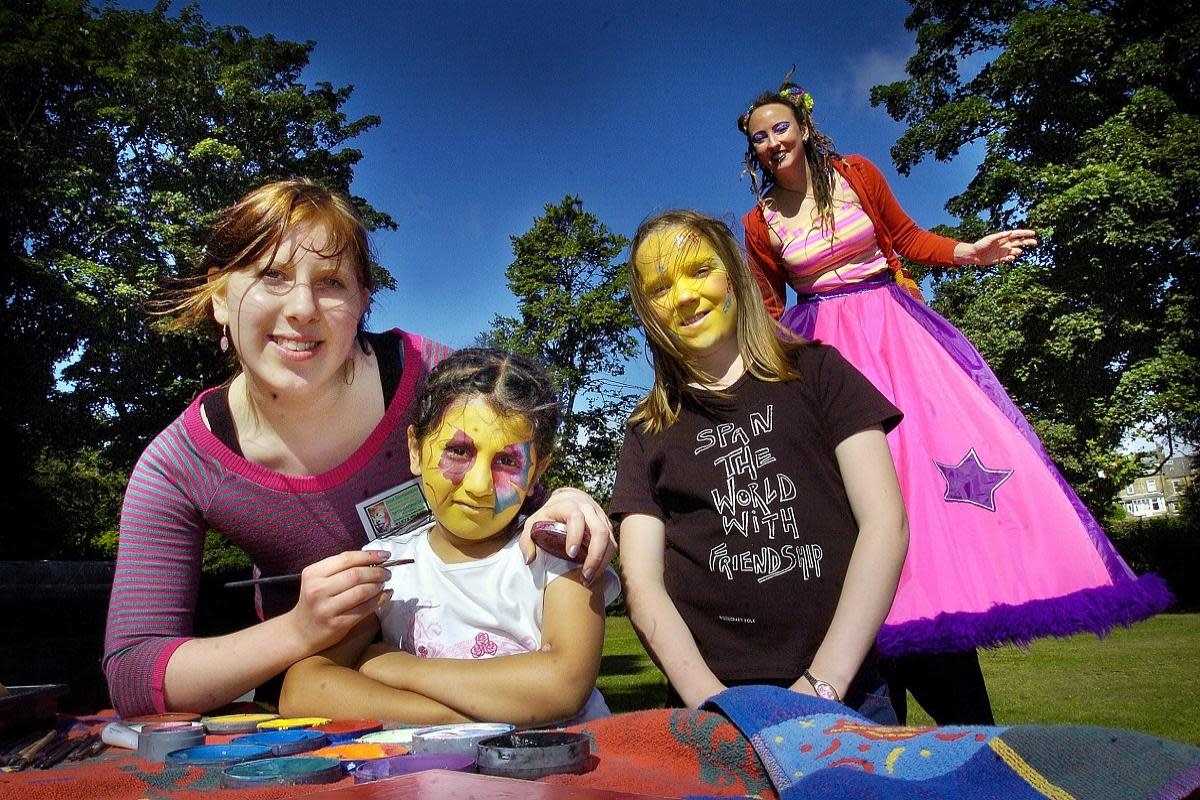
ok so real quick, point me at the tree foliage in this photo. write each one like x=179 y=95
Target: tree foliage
x=1088 y=113
x=576 y=318
x=122 y=135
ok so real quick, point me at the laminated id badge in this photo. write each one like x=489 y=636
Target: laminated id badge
x=395 y=511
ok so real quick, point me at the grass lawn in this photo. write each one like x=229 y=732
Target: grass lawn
x=1145 y=678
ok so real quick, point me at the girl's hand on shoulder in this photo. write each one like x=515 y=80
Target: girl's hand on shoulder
x=337 y=592
x=579 y=512
x=1002 y=247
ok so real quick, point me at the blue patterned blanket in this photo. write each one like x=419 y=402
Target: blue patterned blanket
x=814 y=748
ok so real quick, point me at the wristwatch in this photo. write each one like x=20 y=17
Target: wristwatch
x=822 y=688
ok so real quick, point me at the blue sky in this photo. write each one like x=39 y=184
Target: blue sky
x=491 y=110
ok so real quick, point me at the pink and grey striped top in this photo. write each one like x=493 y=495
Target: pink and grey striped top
x=822 y=260
x=188 y=482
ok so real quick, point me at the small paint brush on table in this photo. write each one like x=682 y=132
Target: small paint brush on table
x=295 y=576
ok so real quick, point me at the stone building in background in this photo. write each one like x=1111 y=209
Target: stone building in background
x=1160 y=493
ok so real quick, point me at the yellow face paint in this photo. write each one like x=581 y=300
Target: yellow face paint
x=689 y=289
x=476 y=469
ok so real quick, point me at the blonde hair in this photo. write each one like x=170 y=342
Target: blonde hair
x=252 y=230
x=767 y=349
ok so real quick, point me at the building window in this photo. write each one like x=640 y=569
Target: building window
x=1129 y=489
x=1151 y=485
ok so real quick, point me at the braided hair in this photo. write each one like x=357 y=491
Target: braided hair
x=511 y=384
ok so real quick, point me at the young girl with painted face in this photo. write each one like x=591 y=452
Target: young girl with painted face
x=761 y=526
x=284 y=459
x=472 y=633
x=1002 y=549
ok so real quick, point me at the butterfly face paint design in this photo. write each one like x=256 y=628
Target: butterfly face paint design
x=476 y=469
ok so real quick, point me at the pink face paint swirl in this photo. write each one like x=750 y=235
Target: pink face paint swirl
x=458 y=456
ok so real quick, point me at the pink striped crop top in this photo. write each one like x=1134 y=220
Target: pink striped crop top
x=821 y=259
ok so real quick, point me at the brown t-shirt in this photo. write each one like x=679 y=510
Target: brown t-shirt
x=758 y=526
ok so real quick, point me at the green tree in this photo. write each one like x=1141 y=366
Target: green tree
x=576 y=318
x=1088 y=112
x=122 y=135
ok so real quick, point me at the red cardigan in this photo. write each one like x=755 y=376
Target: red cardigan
x=894 y=230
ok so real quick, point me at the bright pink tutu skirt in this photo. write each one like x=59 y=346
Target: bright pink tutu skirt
x=1000 y=547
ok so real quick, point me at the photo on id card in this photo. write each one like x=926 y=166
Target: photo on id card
x=393 y=512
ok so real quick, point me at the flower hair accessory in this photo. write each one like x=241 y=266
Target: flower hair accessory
x=790 y=93
x=797 y=96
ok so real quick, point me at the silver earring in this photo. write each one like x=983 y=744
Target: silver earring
x=224 y=343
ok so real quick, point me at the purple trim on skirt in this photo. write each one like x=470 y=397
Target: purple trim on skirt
x=1097 y=611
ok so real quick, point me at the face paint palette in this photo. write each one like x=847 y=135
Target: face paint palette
x=533 y=754
x=406 y=765
x=552 y=537
x=216 y=755
x=292 y=723
x=156 y=739
x=460 y=738
x=358 y=751
x=236 y=723
x=345 y=730
x=393 y=736
x=170 y=716
x=285 y=743
x=291 y=771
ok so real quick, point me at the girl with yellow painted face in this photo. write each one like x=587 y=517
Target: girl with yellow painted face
x=762 y=531
x=471 y=632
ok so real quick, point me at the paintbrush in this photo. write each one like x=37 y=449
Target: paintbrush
x=82 y=746
x=57 y=752
x=29 y=754
x=295 y=576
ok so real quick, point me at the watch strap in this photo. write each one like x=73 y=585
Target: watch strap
x=822 y=688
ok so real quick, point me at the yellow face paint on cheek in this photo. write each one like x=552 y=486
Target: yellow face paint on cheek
x=477 y=468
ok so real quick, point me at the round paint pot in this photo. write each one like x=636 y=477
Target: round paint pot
x=460 y=738
x=216 y=755
x=172 y=716
x=157 y=739
x=285 y=743
x=347 y=730
x=391 y=736
x=236 y=723
x=353 y=754
x=533 y=754
x=290 y=771
x=292 y=723
x=406 y=765
x=552 y=537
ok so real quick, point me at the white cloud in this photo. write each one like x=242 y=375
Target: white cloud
x=874 y=67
